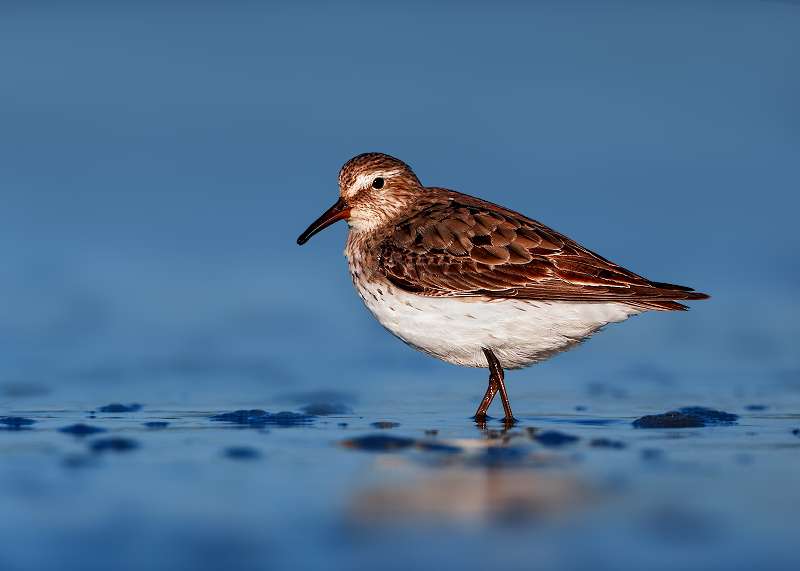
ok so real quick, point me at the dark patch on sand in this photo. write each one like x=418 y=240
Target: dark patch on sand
x=116 y=407
x=256 y=418
x=16 y=421
x=114 y=444
x=687 y=417
x=379 y=442
x=242 y=453
x=554 y=438
x=81 y=429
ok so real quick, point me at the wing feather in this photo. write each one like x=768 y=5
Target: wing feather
x=464 y=246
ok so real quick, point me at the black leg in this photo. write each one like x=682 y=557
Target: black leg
x=496 y=385
x=480 y=416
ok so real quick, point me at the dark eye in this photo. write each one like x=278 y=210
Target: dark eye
x=377 y=183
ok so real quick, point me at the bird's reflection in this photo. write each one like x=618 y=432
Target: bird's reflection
x=460 y=493
x=496 y=475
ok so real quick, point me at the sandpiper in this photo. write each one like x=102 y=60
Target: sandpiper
x=473 y=283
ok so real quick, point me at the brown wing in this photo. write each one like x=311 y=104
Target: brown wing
x=463 y=246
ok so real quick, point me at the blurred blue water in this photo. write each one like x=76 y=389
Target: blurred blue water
x=158 y=160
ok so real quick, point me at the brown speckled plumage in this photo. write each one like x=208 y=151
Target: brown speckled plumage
x=451 y=244
x=471 y=282
x=457 y=245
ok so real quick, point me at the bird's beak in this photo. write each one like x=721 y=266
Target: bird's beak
x=335 y=213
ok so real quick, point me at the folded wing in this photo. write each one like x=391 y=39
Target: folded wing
x=464 y=246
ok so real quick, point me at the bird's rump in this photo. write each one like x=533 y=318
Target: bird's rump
x=456 y=245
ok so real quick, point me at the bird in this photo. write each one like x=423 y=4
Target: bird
x=473 y=283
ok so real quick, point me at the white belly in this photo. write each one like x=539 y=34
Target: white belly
x=456 y=329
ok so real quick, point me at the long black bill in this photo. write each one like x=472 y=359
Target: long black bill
x=335 y=213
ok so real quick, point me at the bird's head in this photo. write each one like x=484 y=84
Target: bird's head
x=374 y=190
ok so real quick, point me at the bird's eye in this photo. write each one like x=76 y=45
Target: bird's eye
x=377 y=183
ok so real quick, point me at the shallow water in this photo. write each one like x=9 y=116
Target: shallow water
x=159 y=161
x=335 y=491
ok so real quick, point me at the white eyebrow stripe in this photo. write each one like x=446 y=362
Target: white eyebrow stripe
x=366 y=179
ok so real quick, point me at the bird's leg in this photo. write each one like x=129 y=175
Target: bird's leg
x=496 y=378
x=496 y=385
x=480 y=416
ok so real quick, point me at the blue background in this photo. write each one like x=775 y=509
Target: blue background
x=159 y=159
